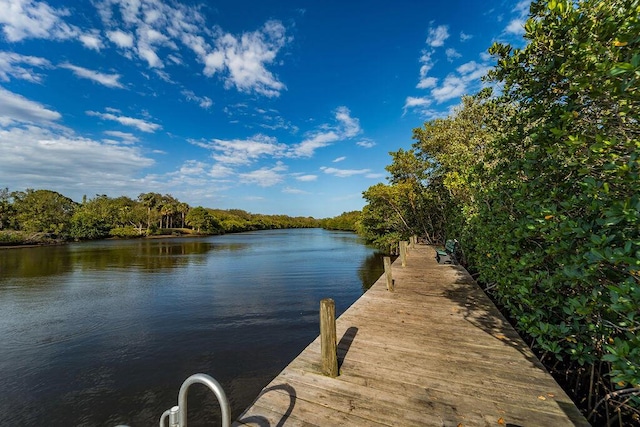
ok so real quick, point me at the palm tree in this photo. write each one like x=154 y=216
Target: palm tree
x=182 y=208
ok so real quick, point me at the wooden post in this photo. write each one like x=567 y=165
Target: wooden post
x=403 y=253
x=328 y=340
x=387 y=273
x=414 y=241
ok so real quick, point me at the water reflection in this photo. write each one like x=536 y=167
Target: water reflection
x=371 y=269
x=104 y=333
x=152 y=254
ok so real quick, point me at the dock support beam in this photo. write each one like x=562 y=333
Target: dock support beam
x=328 y=338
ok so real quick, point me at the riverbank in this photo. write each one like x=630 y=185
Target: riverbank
x=18 y=239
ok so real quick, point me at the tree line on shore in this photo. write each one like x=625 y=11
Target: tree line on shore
x=540 y=183
x=41 y=216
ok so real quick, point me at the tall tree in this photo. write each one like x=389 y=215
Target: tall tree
x=43 y=211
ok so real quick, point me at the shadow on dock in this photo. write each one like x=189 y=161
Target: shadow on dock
x=478 y=310
x=345 y=344
x=261 y=421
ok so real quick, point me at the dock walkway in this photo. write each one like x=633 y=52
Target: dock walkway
x=436 y=352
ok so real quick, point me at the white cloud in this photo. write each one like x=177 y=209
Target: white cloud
x=243 y=151
x=14 y=65
x=420 y=104
x=127 y=138
x=452 y=54
x=264 y=177
x=347 y=127
x=412 y=101
x=464 y=37
x=344 y=173
x=245 y=58
x=92 y=40
x=291 y=190
x=59 y=160
x=204 y=101
x=307 y=178
x=121 y=38
x=142 y=125
x=221 y=171
x=16 y=108
x=427 y=82
x=339 y=159
x=366 y=143
x=437 y=36
x=452 y=87
x=516 y=26
x=109 y=80
x=350 y=126
x=24 y=19
x=147 y=28
x=375 y=175
x=472 y=70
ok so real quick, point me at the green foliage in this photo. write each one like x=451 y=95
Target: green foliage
x=42 y=211
x=202 y=221
x=125 y=232
x=568 y=172
x=541 y=185
x=346 y=221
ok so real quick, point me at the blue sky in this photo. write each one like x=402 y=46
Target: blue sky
x=275 y=107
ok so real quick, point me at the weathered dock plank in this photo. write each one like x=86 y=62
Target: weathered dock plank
x=436 y=351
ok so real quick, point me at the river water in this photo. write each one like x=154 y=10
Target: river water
x=104 y=333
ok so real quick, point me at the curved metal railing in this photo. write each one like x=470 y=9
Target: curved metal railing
x=177 y=415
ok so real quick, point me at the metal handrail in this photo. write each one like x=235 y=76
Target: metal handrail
x=177 y=415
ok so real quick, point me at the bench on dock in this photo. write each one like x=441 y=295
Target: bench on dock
x=448 y=254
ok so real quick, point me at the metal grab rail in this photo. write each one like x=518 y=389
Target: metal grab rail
x=177 y=415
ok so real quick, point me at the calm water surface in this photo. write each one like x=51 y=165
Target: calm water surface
x=104 y=333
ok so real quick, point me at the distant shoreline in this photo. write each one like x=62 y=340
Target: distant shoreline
x=64 y=242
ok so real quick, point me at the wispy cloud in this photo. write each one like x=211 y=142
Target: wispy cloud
x=307 y=178
x=264 y=177
x=121 y=38
x=339 y=159
x=203 y=101
x=243 y=151
x=516 y=24
x=127 y=138
x=151 y=31
x=91 y=40
x=466 y=78
x=346 y=127
x=421 y=103
x=142 y=125
x=344 y=173
x=33 y=19
x=438 y=35
x=452 y=54
x=291 y=190
x=366 y=143
x=464 y=37
x=57 y=159
x=14 y=65
x=108 y=80
x=427 y=65
x=17 y=108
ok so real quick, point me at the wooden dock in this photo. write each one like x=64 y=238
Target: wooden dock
x=435 y=352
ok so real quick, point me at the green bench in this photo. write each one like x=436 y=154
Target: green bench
x=448 y=254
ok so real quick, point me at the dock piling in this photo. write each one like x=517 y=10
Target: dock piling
x=328 y=338
x=387 y=273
